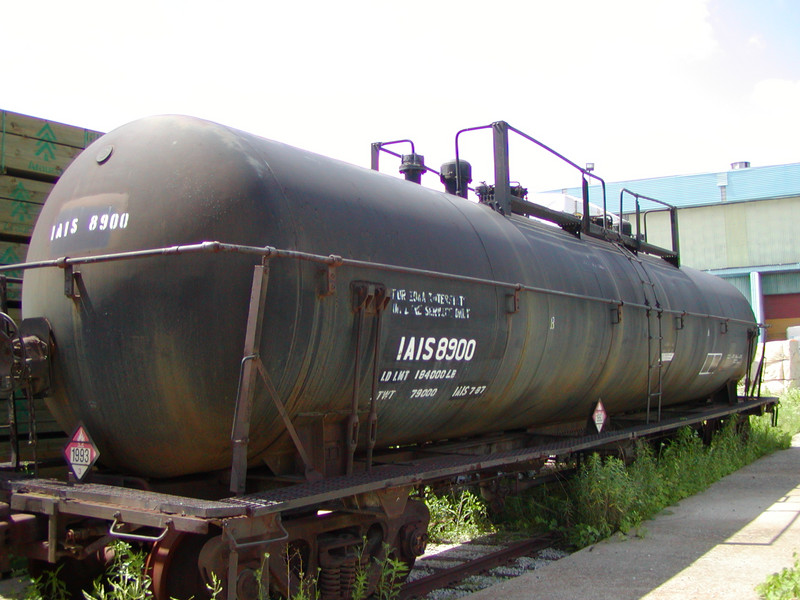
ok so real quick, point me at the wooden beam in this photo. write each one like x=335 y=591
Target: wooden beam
x=37 y=159
x=17 y=217
x=43 y=129
x=24 y=190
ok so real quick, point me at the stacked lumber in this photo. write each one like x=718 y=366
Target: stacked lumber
x=33 y=154
x=39 y=149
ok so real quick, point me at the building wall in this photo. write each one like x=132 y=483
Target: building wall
x=781 y=311
x=741 y=234
x=760 y=235
x=740 y=224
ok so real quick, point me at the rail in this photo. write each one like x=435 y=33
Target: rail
x=507 y=200
x=420 y=588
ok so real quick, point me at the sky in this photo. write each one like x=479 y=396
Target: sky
x=640 y=88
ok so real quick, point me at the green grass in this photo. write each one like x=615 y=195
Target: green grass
x=786 y=584
x=789 y=412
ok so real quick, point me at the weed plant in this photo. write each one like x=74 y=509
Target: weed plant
x=457 y=516
x=125 y=580
x=784 y=585
x=46 y=586
x=393 y=572
x=606 y=496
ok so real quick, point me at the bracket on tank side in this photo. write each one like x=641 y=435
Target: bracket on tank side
x=251 y=368
x=73 y=282
x=368 y=299
x=329 y=275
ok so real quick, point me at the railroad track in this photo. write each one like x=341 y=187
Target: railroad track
x=451 y=571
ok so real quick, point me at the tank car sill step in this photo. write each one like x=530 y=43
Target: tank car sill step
x=430 y=469
x=132 y=499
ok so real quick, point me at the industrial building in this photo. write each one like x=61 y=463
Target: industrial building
x=740 y=224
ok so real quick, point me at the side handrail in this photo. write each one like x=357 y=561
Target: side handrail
x=640 y=238
x=334 y=261
x=502 y=183
x=251 y=364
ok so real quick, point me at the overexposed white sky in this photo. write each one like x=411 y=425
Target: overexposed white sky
x=642 y=88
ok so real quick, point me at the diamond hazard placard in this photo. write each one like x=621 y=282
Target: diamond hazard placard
x=80 y=452
x=599 y=416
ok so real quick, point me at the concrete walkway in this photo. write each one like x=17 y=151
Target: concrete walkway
x=719 y=544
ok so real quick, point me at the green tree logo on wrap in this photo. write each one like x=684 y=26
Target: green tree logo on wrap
x=46 y=149
x=21 y=209
x=11 y=257
x=21 y=193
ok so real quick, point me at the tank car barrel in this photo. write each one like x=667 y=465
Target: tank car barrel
x=488 y=311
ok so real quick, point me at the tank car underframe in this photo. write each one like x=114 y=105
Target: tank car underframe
x=304 y=528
